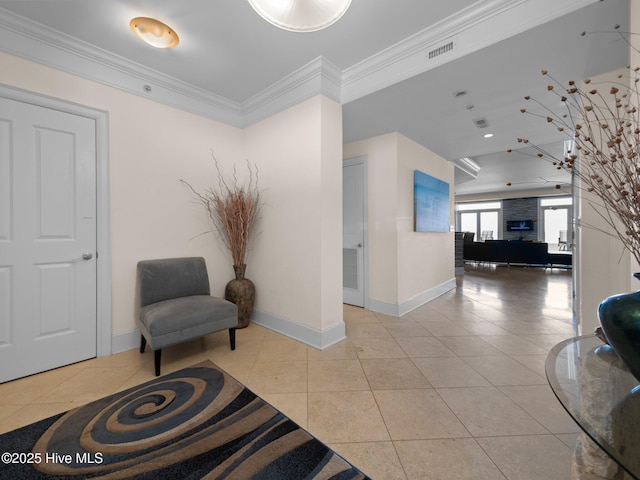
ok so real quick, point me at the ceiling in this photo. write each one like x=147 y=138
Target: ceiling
x=372 y=61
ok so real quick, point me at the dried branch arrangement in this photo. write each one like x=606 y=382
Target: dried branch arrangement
x=233 y=209
x=605 y=133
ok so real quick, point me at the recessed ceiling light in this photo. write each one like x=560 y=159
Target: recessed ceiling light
x=154 y=32
x=488 y=135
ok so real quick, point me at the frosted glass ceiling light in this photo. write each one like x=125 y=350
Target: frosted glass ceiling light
x=154 y=32
x=301 y=15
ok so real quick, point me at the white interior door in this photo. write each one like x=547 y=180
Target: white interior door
x=353 y=228
x=47 y=239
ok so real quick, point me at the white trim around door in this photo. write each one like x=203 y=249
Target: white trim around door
x=103 y=233
x=362 y=160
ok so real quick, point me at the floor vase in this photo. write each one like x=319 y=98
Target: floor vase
x=242 y=292
x=620 y=320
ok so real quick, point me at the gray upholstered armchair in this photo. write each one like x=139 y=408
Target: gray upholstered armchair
x=176 y=304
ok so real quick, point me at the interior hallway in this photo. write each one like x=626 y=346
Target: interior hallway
x=454 y=390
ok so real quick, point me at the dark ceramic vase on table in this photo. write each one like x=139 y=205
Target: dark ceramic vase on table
x=620 y=320
x=242 y=292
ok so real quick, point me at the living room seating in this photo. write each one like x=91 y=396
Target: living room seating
x=512 y=252
x=486 y=235
x=562 y=240
x=175 y=304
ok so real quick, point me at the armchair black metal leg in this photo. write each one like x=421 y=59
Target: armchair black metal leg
x=143 y=343
x=232 y=338
x=157 y=361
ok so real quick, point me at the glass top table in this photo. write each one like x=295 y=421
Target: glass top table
x=600 y=394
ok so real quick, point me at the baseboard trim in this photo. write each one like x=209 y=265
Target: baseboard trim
x=121 y=342
x=398 y=310
x=319 y=339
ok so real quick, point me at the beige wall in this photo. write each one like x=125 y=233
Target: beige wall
x=634 y=61
x=296 y=262
x=331 y=151
x=537 y=192
x=382 y=173
x=604 y=269
x=404 y=266
x=425 y=259
x=151 y=147
x=603 y=266
x=299 y=253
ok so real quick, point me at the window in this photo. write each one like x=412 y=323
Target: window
x=556 y=201
x=557 y=215
x=464 y=207
x=481 y=218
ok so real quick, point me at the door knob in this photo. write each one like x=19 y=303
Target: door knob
x=85 y=256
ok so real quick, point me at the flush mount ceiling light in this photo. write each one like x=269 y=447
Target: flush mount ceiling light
x=154 y=32
x=301 y=15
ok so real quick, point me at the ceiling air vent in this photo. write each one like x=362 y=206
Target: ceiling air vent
x=481 y=122
x=441 y=50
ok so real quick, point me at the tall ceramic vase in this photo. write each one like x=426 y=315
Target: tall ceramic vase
x=242 y=292
x=620 y=320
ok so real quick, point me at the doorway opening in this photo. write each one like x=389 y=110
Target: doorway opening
x=354 y=232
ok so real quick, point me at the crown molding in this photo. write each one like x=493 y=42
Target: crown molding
x=33 y=41
x=467 y=165
x=482 y=24
x=319 y=76
x=475 y=27
x=421 y=42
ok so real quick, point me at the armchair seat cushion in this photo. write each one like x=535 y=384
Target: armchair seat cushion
x=180 y=319
x=175 y=304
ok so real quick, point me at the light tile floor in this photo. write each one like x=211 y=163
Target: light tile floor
x=454 y=390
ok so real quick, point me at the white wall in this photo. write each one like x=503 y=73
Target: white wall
x=298 y=260
x=406 y=268
x=296 y=263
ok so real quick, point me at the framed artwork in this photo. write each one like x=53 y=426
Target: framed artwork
x=430 y=203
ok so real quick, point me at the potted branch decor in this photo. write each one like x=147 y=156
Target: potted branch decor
x=603 y=122
x=233 y=210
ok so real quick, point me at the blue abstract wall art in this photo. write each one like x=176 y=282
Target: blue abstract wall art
x=431 y=203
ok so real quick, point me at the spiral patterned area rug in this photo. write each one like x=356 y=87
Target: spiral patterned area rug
x=195 y=423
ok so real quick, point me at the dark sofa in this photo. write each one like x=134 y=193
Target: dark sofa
x=511 y=252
